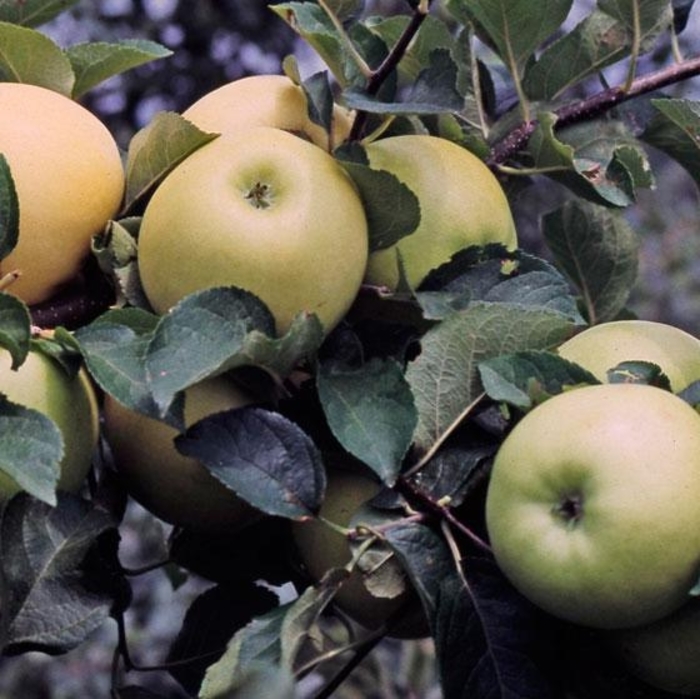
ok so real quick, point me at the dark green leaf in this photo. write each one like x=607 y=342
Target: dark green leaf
x=433 y=92
x=370 y=411
x=210 y=621
x=681 y=12
x=262 y=456
x=639 y=372
x=48 y=604
x=392 y=209
x=94 y=62
x=319 y=96
x=32 y=13
x=524 y=379
x=9 y=210
x=15 y=328
x=511 y=26
x=31 y=449
x=598 y=250
x=444 y=377
x=676 y=130
x=28 y=56
x=156 y=149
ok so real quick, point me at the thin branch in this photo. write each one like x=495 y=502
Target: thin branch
x=595 y=105
x=377 y=77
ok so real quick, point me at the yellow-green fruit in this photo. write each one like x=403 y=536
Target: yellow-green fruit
x=265 y=100
x=602 y=347
x=592 y=506
x=665 y=654
x=41 y=383
x=176 y=488
x=322 y=548
x=265 y=211
x=461 y=204
x=69 y=178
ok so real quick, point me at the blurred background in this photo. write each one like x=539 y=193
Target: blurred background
x=215 y=41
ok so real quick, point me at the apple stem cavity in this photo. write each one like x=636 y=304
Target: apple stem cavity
x=259 y=196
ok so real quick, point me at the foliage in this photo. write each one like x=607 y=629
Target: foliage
x=419 y=386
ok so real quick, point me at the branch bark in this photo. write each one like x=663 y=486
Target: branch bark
x=593 y=106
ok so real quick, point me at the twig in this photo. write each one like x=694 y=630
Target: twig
x=594 y=105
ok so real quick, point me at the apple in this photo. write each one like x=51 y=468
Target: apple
x=41 y=384
x=262 y=210
x=69 y=178
x=321 y=548
x=664 y=654
x=265 y=100
x=462 y=204
x=592 y=505
x=176 y=488
x=599 y=348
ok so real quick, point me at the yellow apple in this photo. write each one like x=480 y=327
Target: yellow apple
x=262 y=210
x=592 y=506
x=42 y=384
x=69 y=178
x=265 y=100
x=176 y=488
x=602 y=347
x=461 y=204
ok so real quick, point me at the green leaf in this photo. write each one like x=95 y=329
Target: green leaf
x=15 y=328
x=512 y=26
x=31 y=449
x=433 y=92
x=545 y=148
x=370 y=411
x=95 y=62
x=218 y=329
x=32 y=13
x=599 y=40
x=638 y=371
x=524 y=379
x=9 y=210
x=28 y=56
x=675 y=130
x=444 y=377
x=49 y=603
x=391 y=208
x=319 y=97
x=262 y=456
x=156 y=149
x=599 y=252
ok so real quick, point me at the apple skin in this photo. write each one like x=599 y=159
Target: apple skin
x=176 y=488
x=599 y=348
x=322 y=548
x=665 y=654
x=41 y=383
x=265 y=100
x=69 y=178
x=462 y=204
x=591 y=508
x=265 y=211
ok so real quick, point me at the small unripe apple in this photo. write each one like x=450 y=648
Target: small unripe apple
x=322 y=548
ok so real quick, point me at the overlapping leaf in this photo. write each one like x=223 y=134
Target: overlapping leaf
x=32 y=13
x=9 y=210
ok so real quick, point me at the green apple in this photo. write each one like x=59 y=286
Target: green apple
x=665 y=654
x=265 y=100
x=262 y=210
x=321 y=548
x=461 y=204
x=41 y=384
x=176 y=488
x=592 y=506
x=602 y=347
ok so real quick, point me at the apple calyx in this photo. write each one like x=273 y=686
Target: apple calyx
x=569 y=510
x=259 y=196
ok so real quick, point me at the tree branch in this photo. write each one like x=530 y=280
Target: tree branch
x=593 y=106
